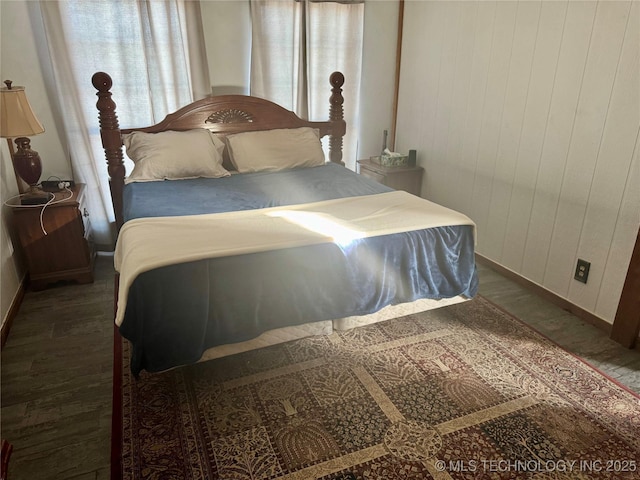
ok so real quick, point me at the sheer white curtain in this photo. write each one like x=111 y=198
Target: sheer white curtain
x=153 y=50
x=296 y=45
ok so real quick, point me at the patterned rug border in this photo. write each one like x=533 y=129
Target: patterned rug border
x=549 y=339
x=117 y=409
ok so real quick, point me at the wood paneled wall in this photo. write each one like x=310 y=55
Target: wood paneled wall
x=526 y=117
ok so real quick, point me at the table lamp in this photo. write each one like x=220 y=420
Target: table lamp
x=18 y=121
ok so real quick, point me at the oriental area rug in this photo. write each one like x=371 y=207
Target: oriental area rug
x=461 y=392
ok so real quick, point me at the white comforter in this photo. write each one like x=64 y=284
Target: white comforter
x=148 y=243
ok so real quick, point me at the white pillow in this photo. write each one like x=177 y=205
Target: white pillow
x=275 y=149
x=174 y=155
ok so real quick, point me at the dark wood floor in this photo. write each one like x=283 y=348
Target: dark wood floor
x=56 y=370
x=56 y=381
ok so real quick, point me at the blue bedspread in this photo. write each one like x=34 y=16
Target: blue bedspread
x=175 y=313
x=245 y=192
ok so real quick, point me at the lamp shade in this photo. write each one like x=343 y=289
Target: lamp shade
x=16 y=116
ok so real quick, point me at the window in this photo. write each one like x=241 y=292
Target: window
x=145 y=47
x=296 y=45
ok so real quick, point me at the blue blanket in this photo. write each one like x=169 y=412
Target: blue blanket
x=175 y=313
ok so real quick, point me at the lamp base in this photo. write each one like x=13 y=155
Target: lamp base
x=35 y=197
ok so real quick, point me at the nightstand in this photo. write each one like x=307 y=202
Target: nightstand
x=408 y=179
x=66 y=251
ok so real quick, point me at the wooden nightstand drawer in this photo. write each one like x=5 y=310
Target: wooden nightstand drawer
x=372 y=175
x=58 y=248
x=408 y=179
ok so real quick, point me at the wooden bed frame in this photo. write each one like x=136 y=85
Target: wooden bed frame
x=228 y=114
x=224 y=114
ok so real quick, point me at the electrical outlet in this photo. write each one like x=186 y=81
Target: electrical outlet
x=582 y=270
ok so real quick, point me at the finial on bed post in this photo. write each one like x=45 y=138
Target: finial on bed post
x=111 y=141
x=336 y=114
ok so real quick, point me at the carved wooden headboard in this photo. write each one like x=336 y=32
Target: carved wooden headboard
x=224 y=114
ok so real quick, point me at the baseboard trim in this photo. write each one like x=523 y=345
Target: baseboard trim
x=13 y=311
x=554 y=298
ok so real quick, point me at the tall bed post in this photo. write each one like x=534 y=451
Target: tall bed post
x=111 y=141
x=336 y=114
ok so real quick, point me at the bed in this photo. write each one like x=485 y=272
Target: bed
x=235 y=233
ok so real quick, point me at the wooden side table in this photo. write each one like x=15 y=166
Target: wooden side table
x=66 y=251
x=408 y=179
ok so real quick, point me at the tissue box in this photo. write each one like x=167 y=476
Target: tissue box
x=391 y=161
